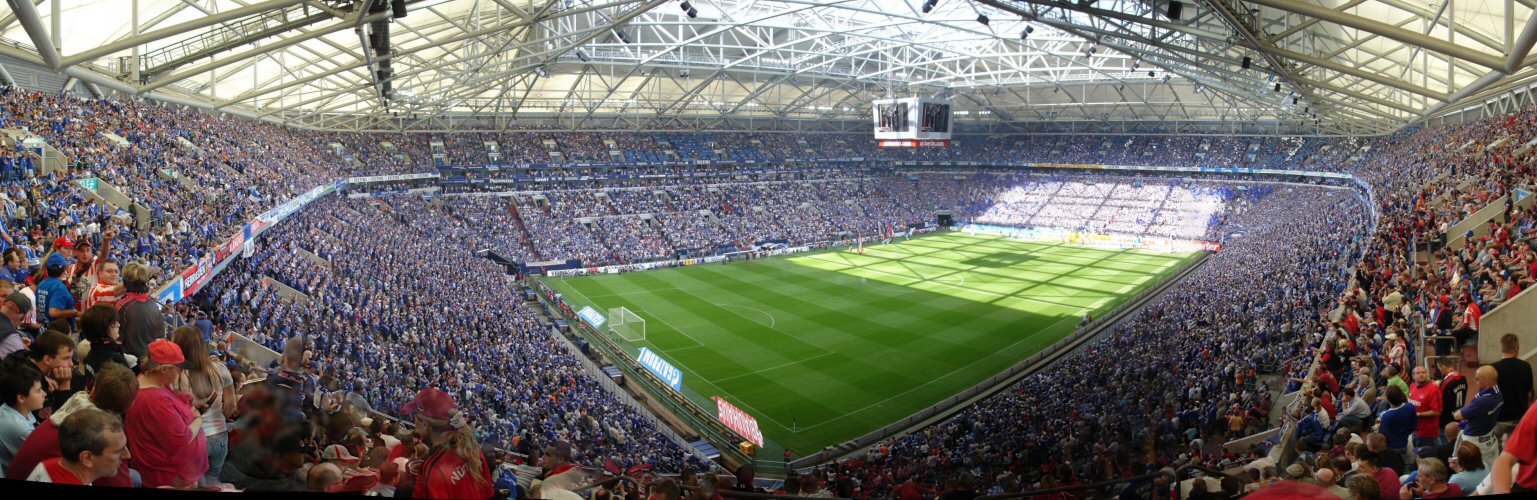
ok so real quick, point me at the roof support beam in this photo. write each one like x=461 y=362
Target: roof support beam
x=1310 y=22
x=169 y=31
x=1386 y=30
x=1523 y=46
x=257 y=51
x=26 y=12
x=1438 y=19
x=1354 y=71
x=424 y=46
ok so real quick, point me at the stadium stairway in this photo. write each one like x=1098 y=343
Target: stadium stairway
x=314 y=258
x=284 y=291
x=523 y=229
x=1478 y=223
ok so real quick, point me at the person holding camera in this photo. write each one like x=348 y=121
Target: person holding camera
x=1430 y=482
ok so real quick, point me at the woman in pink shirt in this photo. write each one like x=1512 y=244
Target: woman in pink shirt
x=165 y=434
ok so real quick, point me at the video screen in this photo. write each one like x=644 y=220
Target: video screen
x=891 y=117
x=936 y=117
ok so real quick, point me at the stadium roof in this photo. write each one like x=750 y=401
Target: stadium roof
x=1351 y=67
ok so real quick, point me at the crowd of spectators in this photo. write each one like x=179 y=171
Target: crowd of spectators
x=515 y=382
x=99 y=389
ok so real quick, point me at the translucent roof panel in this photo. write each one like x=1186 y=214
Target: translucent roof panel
x=1338 y=67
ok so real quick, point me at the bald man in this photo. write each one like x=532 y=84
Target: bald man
x=1477 y=419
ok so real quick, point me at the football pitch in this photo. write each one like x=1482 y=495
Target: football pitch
x=824 y=347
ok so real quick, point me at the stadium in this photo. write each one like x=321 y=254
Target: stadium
x=761 y=249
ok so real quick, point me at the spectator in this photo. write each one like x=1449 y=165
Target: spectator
x=99 y=344
x=1468 y=467
x=1327 y=480
x=746 y=476
x=961 y=487
x=106 y=287
x=163 y=430
x=1426 y=398
x=139 y=315
x=23 y=394
x=15 y=307
x=1354 y=413
x=1515 y=379
x=1430 y=482
x=92 y=446
x=1363 y=487
x=1371 y=466
x=113 y=391
x=456 y=468
x=664 y=489
x=213 y=396
x=270 y=465
x=54 y=300
x=1479 y=416
x=52 y=357
x=559 y=473
x=1397 y=423
x=1454 y=388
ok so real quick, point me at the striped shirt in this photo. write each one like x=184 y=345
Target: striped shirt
x=103 y=294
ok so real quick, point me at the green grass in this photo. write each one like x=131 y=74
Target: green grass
x=824 y=347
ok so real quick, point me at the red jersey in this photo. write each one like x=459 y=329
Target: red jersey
x=1523 y=444
x=1426 y=397
x=446 y=475
x=49 y=471
x=43 y=444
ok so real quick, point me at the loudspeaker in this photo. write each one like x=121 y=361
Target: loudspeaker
x=399 y=7
x=1246 y=62
x=1175 y=8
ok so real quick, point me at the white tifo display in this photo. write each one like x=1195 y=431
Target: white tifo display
x=626 y=324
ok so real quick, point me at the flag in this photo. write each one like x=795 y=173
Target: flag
x=612 y=467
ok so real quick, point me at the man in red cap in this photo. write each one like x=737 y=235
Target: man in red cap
x=169 y=448
x=455 y=468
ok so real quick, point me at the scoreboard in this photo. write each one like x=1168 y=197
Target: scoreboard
x=911 y=122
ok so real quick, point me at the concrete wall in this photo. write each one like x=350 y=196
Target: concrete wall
x=315 y=258
x=286 y=292
x=1479 y=221
x=1518 y=316
x=31 y=76
x=113 y=195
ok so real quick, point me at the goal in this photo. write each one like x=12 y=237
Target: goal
x=626 y=324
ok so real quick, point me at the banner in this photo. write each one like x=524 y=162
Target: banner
x=592 y=317
x=392 y=178
x=89 y=183
x=913 y=143
x=230 y=247
x=738 y=421
x=171 y=293
x=661 y=368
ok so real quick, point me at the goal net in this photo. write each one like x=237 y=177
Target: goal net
x=626 y=324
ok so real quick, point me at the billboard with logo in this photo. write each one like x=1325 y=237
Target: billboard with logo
x=661 y=368
x=738 y=421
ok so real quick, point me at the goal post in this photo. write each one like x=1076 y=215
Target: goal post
x=626 y=324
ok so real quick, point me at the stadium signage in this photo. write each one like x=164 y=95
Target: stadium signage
x=661 y=368
x=738 y=421
x=593 y=318
x=191 y=279
x=913 y=143
x=196 y=276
